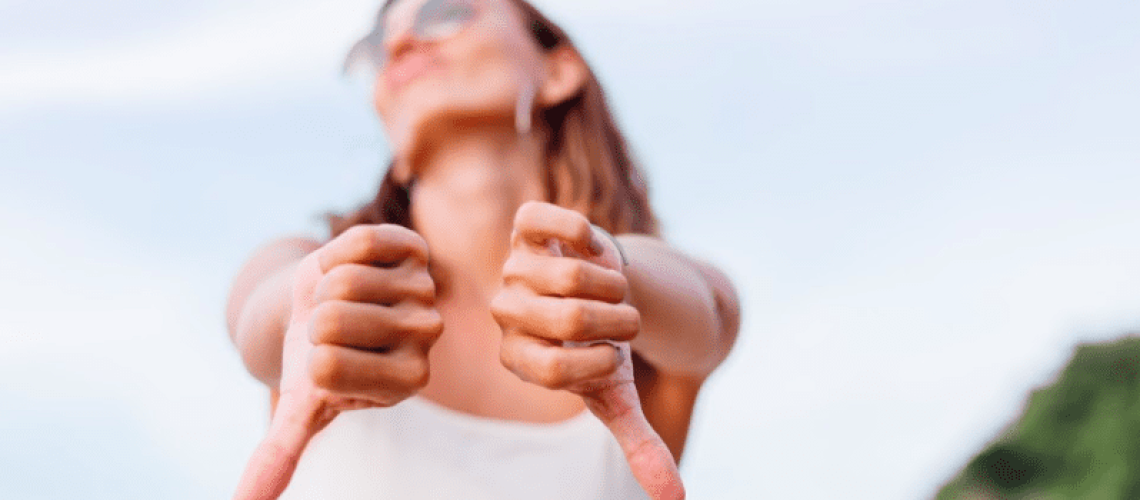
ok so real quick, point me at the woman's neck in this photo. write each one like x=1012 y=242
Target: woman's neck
x=466 y=193
x=463 y=203
x=481 y=158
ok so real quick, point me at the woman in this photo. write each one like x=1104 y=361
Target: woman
x=477 y=263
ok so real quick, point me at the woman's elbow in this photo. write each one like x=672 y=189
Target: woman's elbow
x=256 y=354
x=726 y=304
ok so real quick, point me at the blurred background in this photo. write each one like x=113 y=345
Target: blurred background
x=925 y=206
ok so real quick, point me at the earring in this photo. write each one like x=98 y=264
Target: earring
x=524 y=107
x=401 y=173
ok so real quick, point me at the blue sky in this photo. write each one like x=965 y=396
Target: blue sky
x=924 y=205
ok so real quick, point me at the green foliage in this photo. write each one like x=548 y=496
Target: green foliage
x=1077 y=438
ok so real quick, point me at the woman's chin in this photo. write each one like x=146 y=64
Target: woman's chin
x=415 y=135
x=413 y=132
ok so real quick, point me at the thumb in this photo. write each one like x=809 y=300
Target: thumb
x=650 y=461
x=275 y=459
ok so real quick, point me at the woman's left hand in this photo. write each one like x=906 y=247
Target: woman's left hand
x=566 y=326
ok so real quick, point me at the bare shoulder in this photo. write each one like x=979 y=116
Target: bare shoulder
x=265 y=260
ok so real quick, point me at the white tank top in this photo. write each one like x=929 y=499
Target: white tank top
x=421 y=450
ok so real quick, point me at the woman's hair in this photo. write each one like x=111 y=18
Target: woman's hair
x=588 y=165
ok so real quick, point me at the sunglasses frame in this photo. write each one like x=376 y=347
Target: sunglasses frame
x=370 y=49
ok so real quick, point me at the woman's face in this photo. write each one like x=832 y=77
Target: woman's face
x=477 y=70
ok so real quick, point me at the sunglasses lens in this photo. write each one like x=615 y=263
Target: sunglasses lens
x=375 y=48
x=369 y=52
x=435 y=20
x=439 y=19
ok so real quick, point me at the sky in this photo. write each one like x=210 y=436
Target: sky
x=924 y=206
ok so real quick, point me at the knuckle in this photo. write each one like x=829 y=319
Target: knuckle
x=550 y=372
x=418 y=374
x=635 y=315
x=429 y=325
x=312 y=259
x=573 y=320
x=507 y=355
x=631 y=325
x=423 y=287
x=390 y=229
x=511 y=355
x=622 y=283
x=401 y=237
x=328 y=321
x=571 y=277
x=362 y=242
x=359 y=234
x=634 y=325
x=582 y=230
x=513 y=268
x=373 y=240
x=326 y=368
x=342 y=282
x=421 y=247
x=501 y=308
x=527 y=211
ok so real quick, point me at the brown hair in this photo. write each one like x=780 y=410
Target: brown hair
x=589 y=167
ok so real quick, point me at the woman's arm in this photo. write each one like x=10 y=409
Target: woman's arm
x=690 y=313
x=689 y=320
x=257 y=312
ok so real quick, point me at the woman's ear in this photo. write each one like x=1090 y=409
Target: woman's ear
x=566 y=74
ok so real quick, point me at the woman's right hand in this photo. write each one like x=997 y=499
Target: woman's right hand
x=362 y=321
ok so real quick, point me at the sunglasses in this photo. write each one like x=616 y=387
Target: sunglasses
x=435 y=20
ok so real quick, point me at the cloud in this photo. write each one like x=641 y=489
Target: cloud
x=131 y=341
x=245 y=46
x=254 y=42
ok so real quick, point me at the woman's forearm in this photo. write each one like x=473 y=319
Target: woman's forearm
x=689 y=310
x=261 y=324
x=257 y=312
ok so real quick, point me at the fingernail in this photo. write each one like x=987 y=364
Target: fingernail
x=596 y=246
x=618 y=353
x=554 y=247
x=617 y=244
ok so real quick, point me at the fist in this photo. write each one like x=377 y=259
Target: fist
x=362 y=321
x=561 y=305
x=565 y=326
